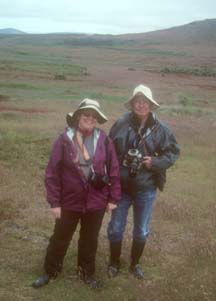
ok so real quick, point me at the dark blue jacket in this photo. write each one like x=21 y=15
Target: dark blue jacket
x=159 y=143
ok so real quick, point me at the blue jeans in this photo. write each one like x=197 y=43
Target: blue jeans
x=142 y=204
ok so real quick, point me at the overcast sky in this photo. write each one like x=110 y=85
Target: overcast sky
x=97 y=16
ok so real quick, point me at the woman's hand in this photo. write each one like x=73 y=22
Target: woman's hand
x=147 y=161
x=56 y=212
x=110 y=207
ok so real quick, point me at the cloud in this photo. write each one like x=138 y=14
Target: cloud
x=103 y=17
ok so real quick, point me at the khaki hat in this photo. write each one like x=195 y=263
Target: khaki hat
x=86 y=103
x=142 y=90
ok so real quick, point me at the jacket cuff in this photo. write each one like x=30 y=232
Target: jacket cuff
x=54 y=204
x=113 y=201
x=155 y=164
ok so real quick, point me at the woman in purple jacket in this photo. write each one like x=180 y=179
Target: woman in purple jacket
x=82 y=182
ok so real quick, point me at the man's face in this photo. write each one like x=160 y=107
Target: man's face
x=141 y=106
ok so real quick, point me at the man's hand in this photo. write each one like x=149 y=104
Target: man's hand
x=110 y=207
x=56 y=212
x=147 y=161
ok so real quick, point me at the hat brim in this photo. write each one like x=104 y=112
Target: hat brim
x=154 y=104
x=101 y=118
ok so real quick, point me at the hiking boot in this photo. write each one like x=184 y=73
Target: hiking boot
x=137 y=271
x=88 y=279
x=92 y=282
x=112 y=271
x=41 y=281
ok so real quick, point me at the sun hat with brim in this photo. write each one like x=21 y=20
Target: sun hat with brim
x=87 y=103
x=145 y=91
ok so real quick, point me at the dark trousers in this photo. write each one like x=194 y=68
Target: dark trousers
x=90 y=224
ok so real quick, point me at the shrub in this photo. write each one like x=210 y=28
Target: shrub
x=201 y=71
x=4 y=98
x=185 y=100
x=60 y=77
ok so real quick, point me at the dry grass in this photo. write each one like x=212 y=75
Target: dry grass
x=179 y=260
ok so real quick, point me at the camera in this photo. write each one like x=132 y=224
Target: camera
x=97 y=180
x=133 y=159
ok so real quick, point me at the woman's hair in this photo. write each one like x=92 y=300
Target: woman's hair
x=73 y=121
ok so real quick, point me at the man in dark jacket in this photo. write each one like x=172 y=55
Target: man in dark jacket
x=145 y=148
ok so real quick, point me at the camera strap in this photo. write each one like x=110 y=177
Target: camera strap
x=107 y=161
x=107 y=165
x=143 y=142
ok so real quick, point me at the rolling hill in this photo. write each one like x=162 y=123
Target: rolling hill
x=198 y=32
x=11 y=31
x=195 y=32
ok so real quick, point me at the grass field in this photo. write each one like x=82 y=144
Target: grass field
x=179 y=259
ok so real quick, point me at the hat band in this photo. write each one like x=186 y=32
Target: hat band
x=87 y=105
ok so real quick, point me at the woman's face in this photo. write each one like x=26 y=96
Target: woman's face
x=87 y=120
x=141 y=107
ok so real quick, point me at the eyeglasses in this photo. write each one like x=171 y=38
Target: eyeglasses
x=141 y=101
x=90 y=114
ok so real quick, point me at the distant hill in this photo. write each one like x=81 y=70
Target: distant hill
x=198 y=33
x=11 y=31
x=195 y=32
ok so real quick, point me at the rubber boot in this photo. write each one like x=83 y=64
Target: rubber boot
x=136 y=253
x=114 y=265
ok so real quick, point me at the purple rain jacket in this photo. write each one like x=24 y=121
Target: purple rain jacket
x=65 y=183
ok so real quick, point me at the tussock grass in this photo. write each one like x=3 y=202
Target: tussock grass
x=179 y=256
x=179 y=259
x=18 y=86
x=187 y=104
x=200 y=71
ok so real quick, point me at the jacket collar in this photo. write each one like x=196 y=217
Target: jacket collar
x=135 y=122
x=70 y=132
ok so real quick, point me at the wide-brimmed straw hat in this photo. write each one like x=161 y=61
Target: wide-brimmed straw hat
x=145 y=91
x=87 y=103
